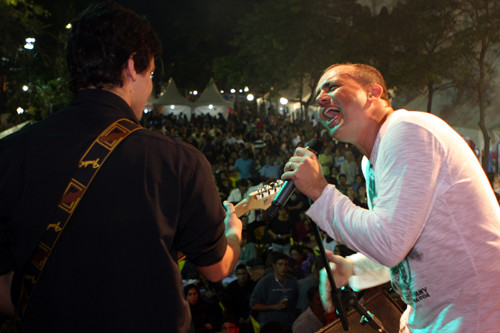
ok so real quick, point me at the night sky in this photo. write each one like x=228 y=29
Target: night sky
x=193 y=32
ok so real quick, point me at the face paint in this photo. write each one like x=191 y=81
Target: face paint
x=328 y=123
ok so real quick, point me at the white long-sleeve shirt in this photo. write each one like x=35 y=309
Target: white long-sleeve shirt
x=433 y=220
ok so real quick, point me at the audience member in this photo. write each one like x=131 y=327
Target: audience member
x=245 y=165
x=272 y=168
x=349 y=167
x=339 y=155
x=256 y=269
x=229 y=325
x=201 y=312
x=328 y=242
x=295 y=205
x=313 y=318
x=300 y=262
x=342 y=185
x=327 y=159
x=236 y=296
x=307 y=283
x=275 y=295
x=358 y=181
x=281 y=229
x=362 y=198
x=303 y=228
x=248 y=249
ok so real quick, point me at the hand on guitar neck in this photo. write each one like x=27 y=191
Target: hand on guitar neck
x=260 y=199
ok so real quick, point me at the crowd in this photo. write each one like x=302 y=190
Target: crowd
x=415 y=234
x=275 y=284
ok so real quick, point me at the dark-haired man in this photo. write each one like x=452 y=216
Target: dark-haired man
x=433 y=218
x=114 y=267
x=275 y=295
x=236 y=296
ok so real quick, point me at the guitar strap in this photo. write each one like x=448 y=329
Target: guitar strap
x=88 y=166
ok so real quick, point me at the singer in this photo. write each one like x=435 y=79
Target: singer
x=433 y=219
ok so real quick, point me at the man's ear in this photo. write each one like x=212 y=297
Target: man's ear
x=375 y=91
x=130 y=72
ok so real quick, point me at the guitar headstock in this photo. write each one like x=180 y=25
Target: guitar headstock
x=260 y=199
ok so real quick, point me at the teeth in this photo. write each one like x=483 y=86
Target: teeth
x=332 y=112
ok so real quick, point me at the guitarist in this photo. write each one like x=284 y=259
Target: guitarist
x=114 y=268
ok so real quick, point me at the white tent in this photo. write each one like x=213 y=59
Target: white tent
x=172 y=102
x=148 y=107
x=211 y=102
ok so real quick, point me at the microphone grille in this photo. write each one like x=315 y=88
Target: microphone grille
x=315 y=145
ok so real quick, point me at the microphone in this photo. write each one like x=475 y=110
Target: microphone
x=288 y=187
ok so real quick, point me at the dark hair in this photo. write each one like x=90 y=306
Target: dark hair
x=256 y=262
x=279 y=256
x=310 y=293
x=297 y=248
x=366 y=75
x=319 y=262
x=243 y=182
x=101 y=41
x=240 y=266
x=189 y=287
x=230 y=319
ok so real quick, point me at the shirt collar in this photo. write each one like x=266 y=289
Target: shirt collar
x=103 y=98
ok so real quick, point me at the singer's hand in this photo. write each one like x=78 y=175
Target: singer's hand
x=342 y=269
x=305 y=171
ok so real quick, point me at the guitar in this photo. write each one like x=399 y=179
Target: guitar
x=260 y=199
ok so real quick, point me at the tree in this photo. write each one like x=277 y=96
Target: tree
x=424 y=52
x=42 y=67
x=285 y=42
x=480 y=44
x=19 y=19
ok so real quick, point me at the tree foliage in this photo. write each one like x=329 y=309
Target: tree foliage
x=424 y=52
x=479 y=41
x=289 y=42
x=35 y=68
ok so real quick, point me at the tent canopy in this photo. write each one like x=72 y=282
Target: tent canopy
x=172 y=102
x=211 y=102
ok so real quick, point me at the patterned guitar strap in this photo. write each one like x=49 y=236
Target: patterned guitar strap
x=88 y=166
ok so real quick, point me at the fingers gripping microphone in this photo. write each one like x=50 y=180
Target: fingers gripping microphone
x=288 y=187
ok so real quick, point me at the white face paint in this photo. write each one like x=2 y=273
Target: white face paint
x=330 y=112
x=330 y=124
x=342 y=101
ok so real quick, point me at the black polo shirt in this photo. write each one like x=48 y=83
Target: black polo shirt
x=114 y=268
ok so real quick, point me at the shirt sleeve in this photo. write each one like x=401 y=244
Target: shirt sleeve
x=410 y=160
x=258 y=295
x=367 y=273
x=202 y=237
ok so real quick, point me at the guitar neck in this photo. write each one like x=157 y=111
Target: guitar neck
x=260 y=199
x=242 y=208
